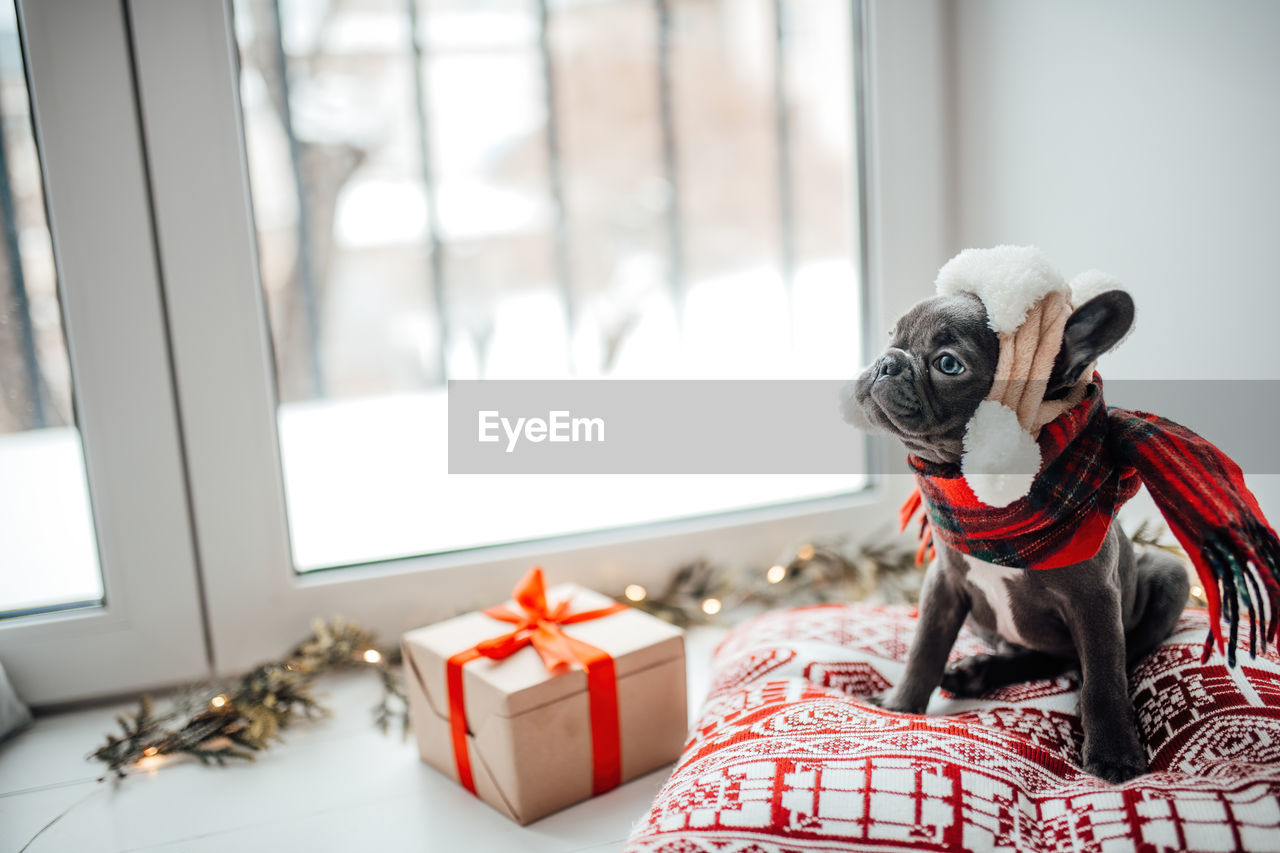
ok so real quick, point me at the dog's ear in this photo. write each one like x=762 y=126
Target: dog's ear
x=1092 y=329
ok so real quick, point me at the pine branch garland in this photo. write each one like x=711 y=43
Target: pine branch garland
x=1153 y=534
x=394 y=707
x=222 y=721
x=702 y=592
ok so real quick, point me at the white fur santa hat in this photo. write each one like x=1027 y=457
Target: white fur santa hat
x=1027 y=304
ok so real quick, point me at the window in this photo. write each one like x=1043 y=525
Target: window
x=519 y=189
x=110 y=604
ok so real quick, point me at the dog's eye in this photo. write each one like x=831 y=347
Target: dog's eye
x=949 y=364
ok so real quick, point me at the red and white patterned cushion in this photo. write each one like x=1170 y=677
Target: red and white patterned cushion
x=786 y=756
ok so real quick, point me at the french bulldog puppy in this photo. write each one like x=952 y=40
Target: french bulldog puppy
x=1102 y=615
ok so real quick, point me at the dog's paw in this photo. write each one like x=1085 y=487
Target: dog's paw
x=890 y=702
x=967 y=677
x=1115 y=765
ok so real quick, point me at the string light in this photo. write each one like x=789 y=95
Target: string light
x=635 y=592
x=151 y=751
x=218 y=701
x=775 y=574
x=1197 y=592
x=372 y=655
x=711 y=606
x=805 y=552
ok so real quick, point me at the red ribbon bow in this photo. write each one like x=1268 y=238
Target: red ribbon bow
x=540 y=626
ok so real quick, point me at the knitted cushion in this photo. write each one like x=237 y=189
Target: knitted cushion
x=786 y=756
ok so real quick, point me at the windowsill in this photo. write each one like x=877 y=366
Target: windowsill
x=334 y=783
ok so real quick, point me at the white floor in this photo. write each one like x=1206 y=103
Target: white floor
x=335 y=784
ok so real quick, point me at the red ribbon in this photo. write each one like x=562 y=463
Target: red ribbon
x=540 y=626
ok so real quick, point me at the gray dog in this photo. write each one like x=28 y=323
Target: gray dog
x=1102 y=615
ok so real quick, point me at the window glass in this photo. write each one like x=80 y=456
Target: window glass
x=456 y=189
x=48 y=556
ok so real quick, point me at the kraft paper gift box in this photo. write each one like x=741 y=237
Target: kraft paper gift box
x=532 y=741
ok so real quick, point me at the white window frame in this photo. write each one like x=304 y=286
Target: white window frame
x=149 y=630
x=256 y=603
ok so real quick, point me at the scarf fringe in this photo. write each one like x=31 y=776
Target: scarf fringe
x=1237 y=566
x=1202 y=494
x=915 y=504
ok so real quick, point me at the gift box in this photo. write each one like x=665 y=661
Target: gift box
x=544 y=702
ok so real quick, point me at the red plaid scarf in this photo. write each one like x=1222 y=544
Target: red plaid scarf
x=1095 y=458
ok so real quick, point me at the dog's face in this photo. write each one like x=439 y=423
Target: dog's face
x=941 y=361
x=926 y=385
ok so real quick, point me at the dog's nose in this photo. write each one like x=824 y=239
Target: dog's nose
x=890 y=365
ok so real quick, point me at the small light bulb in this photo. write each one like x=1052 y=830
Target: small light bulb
x=1197 y=592
x=372 y=655
x=805 y=552
x=711 y=606
x=775 y=574
x=635 y=592
x=218 y=701
x=151 y=751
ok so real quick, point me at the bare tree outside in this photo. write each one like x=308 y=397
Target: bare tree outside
x=35 y=382
x=453 y=189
